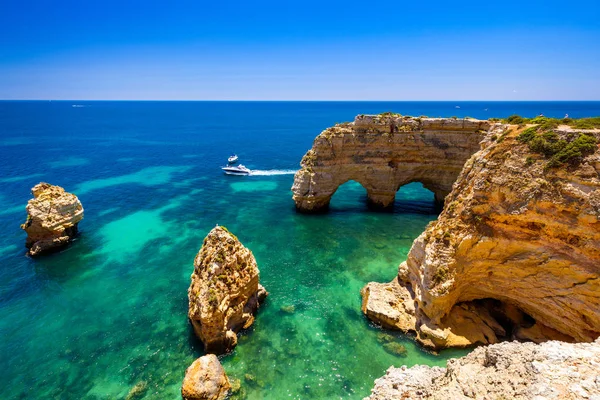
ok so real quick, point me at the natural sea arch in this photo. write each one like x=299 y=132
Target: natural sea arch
x=384 y=153
x=413 y=197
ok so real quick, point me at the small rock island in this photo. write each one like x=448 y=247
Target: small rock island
x=52 y=218
x=225 y=292
x=205 y=379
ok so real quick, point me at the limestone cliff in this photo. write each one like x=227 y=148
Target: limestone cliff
x=224 y=293
x=52 y=218
x=515 y=252
x=205 y=379
x=522 y=371
x=384 y=152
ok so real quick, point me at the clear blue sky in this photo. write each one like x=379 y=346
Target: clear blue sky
x=321 y=50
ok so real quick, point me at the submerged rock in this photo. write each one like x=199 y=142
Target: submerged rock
x=515 y=253
x=224 y=293
x=523 y=371
x=289 y=309
x=205 y=379
x=52 y=218
x=396 y=349
x=138 y=391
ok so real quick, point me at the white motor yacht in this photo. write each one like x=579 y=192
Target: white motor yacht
x=236 y=170
x=232 y=159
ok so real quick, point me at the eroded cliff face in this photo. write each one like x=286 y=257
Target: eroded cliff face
x=52 y=218
x=384 y=152
x=224 y=293
x=552 y=370
x=514 y=254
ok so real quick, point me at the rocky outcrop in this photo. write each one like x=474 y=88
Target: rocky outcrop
x=384 y=152
x=552 y=370
x=515 y=253
x=205 y=379
x=224 y=294
x=52 y=218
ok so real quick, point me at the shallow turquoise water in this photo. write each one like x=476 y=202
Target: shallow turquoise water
x=110 y=312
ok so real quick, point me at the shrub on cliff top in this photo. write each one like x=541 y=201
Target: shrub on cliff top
x=574 y=152
x=559 y=151
x=585 y=123
x=527 y=135
x=515 y=119
x=545 y=123
x=390 y=114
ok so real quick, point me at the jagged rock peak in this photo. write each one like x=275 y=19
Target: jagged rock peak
x=521 y=371
x=205 y=379
x=225 y=292
x=384 y=152
x=52 y=218
x=515 y=253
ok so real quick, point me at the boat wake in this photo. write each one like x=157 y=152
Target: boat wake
x=273 y=172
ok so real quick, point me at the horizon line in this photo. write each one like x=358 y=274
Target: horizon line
x=297 y=101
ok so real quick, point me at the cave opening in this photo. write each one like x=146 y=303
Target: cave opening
x=510 y=317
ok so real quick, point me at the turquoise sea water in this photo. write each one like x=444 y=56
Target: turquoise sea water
x=110 y=311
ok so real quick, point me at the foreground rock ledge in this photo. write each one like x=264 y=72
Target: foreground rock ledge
x=515 y=253
x=224 y=293
x=384 y=152
x=552 y=370
x=52 y=218
x=205 y=379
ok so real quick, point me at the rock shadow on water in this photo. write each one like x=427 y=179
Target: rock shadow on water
x=64 y=264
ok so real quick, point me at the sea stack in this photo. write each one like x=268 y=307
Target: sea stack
x=205 y=379
x=52 y=218
x=515 y=253
x=224 y=293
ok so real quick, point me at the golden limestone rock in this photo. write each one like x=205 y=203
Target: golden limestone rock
x=515 y=253
x=382 y=153
x=520 y=371
x=52 y=218
x=224 y=293
x=205 y=379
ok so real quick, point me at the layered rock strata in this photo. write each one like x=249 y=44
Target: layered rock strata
x=384 y=152
x=514 y=254
x=224 y=293
x=205 y=379
x=52 y=218
x=552 y=370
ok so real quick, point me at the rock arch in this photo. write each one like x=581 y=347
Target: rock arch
x=383 y=153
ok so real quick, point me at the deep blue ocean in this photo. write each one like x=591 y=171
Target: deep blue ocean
x=110 y=311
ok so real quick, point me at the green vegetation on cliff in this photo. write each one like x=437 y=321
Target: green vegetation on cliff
x=546 y=123
x=559 y=149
